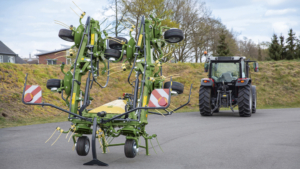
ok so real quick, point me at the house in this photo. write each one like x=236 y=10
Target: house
x=34 y=61
x=8 y=56
x=54 y=57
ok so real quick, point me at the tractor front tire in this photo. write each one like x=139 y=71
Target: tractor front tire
x=176 y=86
x=130 y=148
x=245 y=100
x=254 y=98
x=83 y=146
x=205 y=101
x=115 y=44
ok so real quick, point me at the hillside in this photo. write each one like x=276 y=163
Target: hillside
x=278 y=85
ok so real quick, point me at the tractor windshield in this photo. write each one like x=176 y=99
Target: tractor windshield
x=226 y=72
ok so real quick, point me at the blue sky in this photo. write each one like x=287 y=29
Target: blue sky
x=29 y=25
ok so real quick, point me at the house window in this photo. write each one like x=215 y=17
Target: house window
x=11 y=59
x=1 y=59
x=69 y=61
x=51 y=62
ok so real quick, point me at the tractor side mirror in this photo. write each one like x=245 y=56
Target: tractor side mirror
x=206 y=67
x=255 y=66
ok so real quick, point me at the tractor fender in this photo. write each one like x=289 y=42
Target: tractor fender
x=243 y=81
x=207 y=82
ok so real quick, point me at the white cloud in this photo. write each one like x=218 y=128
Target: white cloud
x=279 y=12
x=279 y=27
x=271 y=2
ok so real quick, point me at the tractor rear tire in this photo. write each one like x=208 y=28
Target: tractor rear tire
x=83 y=146
x=173 y=35
x=245 y=100
x=254 y=98
x=53 y=83
x=112 y=53
x=205 y=101
x=116 y=45
x=66 y=35
x=176 y=86
x=130 y=148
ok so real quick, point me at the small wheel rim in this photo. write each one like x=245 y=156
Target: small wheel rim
x=134 y=147
x=86 y=146
x=174 y=39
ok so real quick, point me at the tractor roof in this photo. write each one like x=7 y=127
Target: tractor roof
x=226 y=58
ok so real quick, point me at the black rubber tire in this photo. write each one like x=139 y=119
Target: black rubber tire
x=66 y=35
x=129 y=150
x=116 y=45
x=112 y=53
x=81 y=146
x=176 y=86
x=245 y=101
x=173 y=33
x=53 y=83
x=254 y=98
x=205 y=101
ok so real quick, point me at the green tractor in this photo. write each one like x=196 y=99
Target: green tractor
x=228 y=84
x=125 y=116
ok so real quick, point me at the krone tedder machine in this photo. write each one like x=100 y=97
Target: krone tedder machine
x=128 y=115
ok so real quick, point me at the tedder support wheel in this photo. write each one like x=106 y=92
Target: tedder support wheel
x=245 y=101
x=53 y=83
x=83 y=146
x=205 y=101
x=254 y=98
x=173 y=35
x=130 y=148
x=176 y=86
x=66 y=35
x=115 y=44
x=112 y=53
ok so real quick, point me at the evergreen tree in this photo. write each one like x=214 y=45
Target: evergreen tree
x=274 y=49
x=291 y=44
x=222 y=48
x=259 y=53
x=283 y=49
x=298 y=49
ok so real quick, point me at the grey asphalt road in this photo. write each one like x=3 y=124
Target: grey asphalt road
x=268 y=139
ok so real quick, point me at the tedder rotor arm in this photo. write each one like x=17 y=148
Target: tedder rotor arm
x=107 y=79
x=51 y=105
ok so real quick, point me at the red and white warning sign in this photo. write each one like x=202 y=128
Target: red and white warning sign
x=159 y=98
x=33 y=94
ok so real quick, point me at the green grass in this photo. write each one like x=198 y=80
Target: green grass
x=278 y=86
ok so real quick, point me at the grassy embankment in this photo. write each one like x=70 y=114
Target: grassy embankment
x=278 y=86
